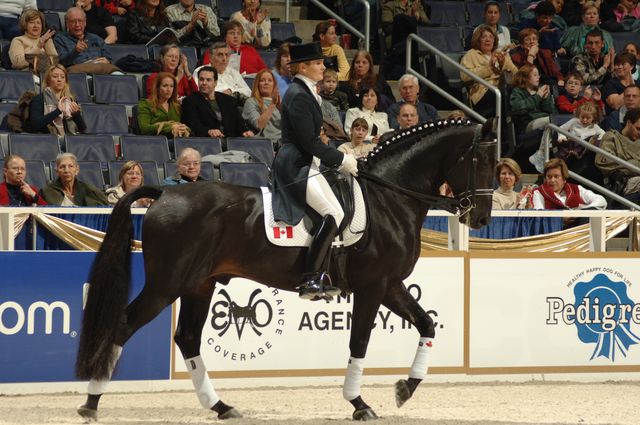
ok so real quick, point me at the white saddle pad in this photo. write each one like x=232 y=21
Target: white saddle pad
x=282 y=234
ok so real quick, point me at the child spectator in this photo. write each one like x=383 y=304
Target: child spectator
x=330 y=90
x=357 y=147
x=531 y=102
x=583 y=126
x=574 y=96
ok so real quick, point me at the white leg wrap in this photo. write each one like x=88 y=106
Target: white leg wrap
x=97 y=387
x=201 y=382
x=353 y=378
x=421 y=360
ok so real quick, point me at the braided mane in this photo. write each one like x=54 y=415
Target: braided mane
x=404 y=139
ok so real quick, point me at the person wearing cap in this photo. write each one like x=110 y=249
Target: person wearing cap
x=297 y=181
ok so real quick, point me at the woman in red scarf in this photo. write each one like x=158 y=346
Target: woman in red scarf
x=557 y=194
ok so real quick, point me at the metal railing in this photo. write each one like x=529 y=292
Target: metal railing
x=547 y=138
x=443 y=56
x=367 y=20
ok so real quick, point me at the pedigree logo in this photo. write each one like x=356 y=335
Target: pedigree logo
x=602 y=312
x=39 y=315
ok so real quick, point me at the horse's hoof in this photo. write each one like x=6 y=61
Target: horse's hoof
x=230 y=414
x=403 y=392
x=89 y=415
x=365 y=415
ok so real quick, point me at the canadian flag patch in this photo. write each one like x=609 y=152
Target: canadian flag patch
x=283 y=232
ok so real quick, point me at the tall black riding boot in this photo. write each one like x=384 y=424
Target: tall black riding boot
x=312 y=286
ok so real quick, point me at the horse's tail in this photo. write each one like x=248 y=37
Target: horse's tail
x=109 y=282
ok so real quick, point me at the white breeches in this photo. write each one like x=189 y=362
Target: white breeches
x=319 y=195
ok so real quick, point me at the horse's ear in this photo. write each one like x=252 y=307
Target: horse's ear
x=490 y=128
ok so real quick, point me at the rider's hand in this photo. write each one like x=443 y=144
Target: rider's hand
x=349 y=165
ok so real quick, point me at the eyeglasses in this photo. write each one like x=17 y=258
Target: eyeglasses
x=77 y=21
x=191 y=163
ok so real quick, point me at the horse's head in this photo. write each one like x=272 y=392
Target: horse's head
x=472 y=177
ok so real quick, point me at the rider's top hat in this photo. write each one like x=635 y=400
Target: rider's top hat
x=305 y=52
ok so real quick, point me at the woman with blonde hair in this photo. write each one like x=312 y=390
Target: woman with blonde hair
x=35 y=45
x=55 y=110
x=131 y=177
x=160 y=113
x=508 y=173
x=262 y=110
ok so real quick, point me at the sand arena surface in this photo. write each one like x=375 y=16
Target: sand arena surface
x=442 y=404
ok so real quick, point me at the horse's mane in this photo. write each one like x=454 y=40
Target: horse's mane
x=402 y=140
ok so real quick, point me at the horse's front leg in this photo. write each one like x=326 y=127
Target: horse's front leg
x=365 y=307
x=401 y=302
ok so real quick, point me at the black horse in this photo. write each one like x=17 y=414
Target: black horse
x=191 y=244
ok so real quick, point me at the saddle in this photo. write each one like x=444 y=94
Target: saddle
x=348 y=193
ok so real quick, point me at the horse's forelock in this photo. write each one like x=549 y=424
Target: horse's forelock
x=407 y=137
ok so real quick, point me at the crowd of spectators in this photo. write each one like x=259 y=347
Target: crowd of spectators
x=556 y=59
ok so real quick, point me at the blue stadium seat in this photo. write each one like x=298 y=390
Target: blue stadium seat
x=244 y=174
x=207 y=171
x=145 y=148
x=150 y=169
x=5 y=108
x=282 y=30
x=105 y=119
x=622 y=38
x=43 y=147
x=269 y=57
x=559 y=119
x=204 y=145
x=5 y=62
x=226 y=8
x=121 y=50
x=116 y=89
x=249 y=81
x=36 y=173
x=445 y=13
x=261 y=150
x=121 y=28
x=91 y=172
x=53 y=20
x=445 y=39
x=88 y=147
x=55 y=5
x=14 y=83
x=190 y=52
x=80 y=87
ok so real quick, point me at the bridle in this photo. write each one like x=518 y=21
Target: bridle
x=461 y=204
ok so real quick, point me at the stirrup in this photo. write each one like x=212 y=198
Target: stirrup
x=314 y=289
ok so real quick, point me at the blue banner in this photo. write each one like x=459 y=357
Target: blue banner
x=41 y=316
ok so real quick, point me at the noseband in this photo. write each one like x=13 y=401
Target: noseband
x=463 y=203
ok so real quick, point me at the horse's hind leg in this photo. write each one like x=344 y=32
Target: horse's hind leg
x=193 y=313
x=401 y=302
x=142 y=310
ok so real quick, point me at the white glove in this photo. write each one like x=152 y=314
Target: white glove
x=349 y=165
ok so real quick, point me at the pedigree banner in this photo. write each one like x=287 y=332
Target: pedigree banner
x=251 y=327
x=536 y=313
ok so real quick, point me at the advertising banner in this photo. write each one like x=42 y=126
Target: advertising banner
x=556 y=314
x=41 y=314
x=251 y=327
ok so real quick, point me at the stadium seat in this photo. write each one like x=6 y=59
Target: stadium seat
x=14 y=83
x=121 y=28
x=445 y=39
x=80 y=87
x=43 y=147
x=53 y=20
x=282 y=31
x=559 y=119
x=249 y=81
x=55 y=5
x=88 y=147
x=269 y=57
x=244 y=174
x=105 y=119
x=5 y=108
x=446 y=13
x=91 y=172
x=150 y=169
x=204 y=145
x=36 y=173
x=207 y=171
x=261 y=150
x=121 y=50
x=226 y=8
x=622 y=38
x=115 y=89
x=145 y=148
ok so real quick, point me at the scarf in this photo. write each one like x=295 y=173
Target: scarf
x=552 y=202
x=62 y=120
